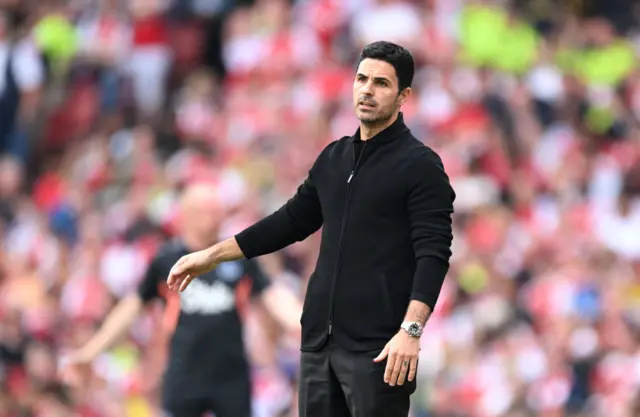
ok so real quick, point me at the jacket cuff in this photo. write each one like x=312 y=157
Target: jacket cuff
x=427 y=282
x=244 y=241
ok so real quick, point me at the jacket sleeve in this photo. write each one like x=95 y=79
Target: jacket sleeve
x=296 y=220
x=430 y=205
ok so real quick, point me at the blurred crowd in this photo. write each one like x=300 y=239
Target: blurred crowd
x=108 y=106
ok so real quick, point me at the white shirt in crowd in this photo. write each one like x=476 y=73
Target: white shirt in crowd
x=28 y=68
x=619 y=233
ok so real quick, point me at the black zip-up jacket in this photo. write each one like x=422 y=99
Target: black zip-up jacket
x=385 y=208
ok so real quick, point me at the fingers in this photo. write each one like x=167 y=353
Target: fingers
x=382 y=354
x=185 y=283
x=404 y=369
x=177 y=273
x=413 y=369
x=179 y=277
x=398 y=366
x=388 y=371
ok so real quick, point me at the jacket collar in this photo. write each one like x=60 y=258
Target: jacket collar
x=391 y=132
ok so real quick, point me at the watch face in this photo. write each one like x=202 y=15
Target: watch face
x=414 y=329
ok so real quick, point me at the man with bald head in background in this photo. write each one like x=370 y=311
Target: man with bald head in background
x=208 y=368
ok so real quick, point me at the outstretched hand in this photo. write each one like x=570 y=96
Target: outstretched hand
x=402 y=352
x=189 y=267
x=75 y=369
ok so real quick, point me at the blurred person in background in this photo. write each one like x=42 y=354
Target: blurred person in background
x=150 y=58
x=207 y=369
x=103 y=49
x=21 y=80
x=11 y=181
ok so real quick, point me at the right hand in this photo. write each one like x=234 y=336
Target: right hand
x=189 y=267
x=75 y=369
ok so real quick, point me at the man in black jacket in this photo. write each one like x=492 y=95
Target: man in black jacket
x=384 y=203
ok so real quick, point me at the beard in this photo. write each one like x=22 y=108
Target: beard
x=378 y=116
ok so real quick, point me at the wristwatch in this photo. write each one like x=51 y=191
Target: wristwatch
x=413 y=328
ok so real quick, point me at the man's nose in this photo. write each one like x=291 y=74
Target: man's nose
x=367 y=88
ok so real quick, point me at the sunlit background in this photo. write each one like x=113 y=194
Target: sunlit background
x=107 y=106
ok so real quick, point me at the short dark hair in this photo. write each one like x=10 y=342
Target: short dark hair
x=400 y=58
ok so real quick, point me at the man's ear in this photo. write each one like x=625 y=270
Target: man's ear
x=404 y=95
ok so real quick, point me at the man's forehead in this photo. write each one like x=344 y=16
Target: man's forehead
x=376 y=68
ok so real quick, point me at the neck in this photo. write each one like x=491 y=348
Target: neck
x=197 y=243
x=369 y=130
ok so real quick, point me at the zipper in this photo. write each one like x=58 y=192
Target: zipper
x=354 y=168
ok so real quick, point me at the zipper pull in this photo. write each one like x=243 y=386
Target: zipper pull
x=330 y=327
x=350 y=176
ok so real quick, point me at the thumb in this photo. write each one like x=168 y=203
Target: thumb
x=382 y=354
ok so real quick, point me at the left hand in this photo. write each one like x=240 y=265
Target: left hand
x=189 y=267
x=402 y=363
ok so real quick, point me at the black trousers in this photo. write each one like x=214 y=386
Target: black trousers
x=338 y=383
x=230 y=399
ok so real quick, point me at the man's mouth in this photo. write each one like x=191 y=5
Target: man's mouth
x=367 y=104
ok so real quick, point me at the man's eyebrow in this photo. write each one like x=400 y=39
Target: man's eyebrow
x=361 y=75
